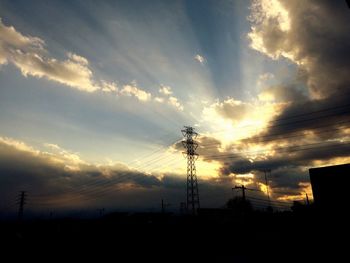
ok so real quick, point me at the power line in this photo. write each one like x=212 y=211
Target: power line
x=272 y=201
x=98 y=181
x=289 y=148
x=274 y=120
x=299 y=115
x=108 y=182
x=108 y=186
x=157 y=159
x=207 y=146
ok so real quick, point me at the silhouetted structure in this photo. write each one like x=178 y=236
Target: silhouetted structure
x=192 y=186
x=21 y=203
x=330 y=186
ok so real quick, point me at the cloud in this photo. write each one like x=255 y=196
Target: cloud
x=283 y=93
x=208 y=146
x=166 y=90
x=70 y=160
x=254 y=148
x=78 y=59
x=238 y=111
x=312 y=34
x=263 y=78
x=295 y=155
x=109 y=87
x=199 y=58
x=175 y=102
x=29 y=55
x=323 y=119
x=229 y=118
x=49 y=173
x=159 y=99
x=52 y=146
x=232 y=109
x=18 y=145
x=289 y=165
x=133 y=90
x=315 y=36
x=50 y=185
x=166 y=96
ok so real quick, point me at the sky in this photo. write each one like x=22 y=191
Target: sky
x=93 y=98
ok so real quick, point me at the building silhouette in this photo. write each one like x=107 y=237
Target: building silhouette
x=330 y=187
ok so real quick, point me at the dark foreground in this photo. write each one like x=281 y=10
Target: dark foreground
x=213 y=236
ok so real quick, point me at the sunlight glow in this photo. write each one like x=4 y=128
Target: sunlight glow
x=264 y=188
x=244 y=179
x=231 y=120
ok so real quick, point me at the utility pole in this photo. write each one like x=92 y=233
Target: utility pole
x=243 y=188
x=244 y=203
x=21 y=201
x=192 y=185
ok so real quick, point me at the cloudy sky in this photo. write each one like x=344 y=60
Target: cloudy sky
x=93 y=98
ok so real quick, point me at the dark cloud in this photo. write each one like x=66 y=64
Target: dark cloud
x=315 y=35
x=290 y=156
x=287 y=93
x=207 y=146
x=326 y=118
x=233 y=110
x=47 y=179
x=317 y=38
x=52 y=186
x=318 y=41
x=289 y=165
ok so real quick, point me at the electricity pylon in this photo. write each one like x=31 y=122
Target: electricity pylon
x=192 y=186
x=21 y=202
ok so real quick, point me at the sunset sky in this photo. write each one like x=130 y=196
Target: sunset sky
x=93 y=97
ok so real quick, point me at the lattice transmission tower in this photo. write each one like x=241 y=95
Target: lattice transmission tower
x=192 y=186
x=21 y=201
